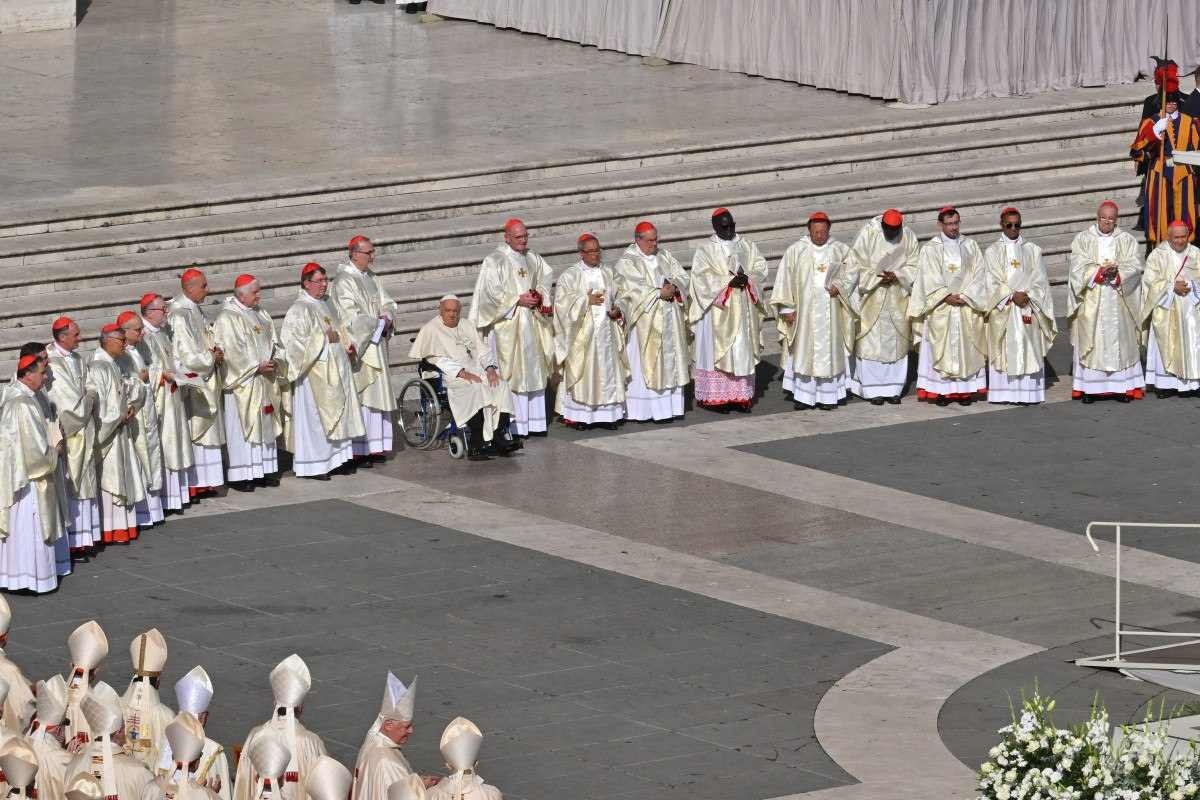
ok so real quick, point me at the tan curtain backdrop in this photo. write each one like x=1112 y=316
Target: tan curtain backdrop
x=918 y=51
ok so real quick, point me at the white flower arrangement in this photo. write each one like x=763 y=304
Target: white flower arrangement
x=1036 y=760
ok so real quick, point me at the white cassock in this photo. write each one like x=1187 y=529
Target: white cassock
x=174 y=429
x=816 y=346
x=883 y=338
x=726 y=322
x=1105 y=316
x=589 y=347
x=199 y=377
x=147 y=444
x=74 y=409
x=452 y=350
x=252 y=410
x=522 y=338
x=121 y=484
x=326 y=414
x=953 y=338
x=655 y=331
x=363 y=305
x=1018 y=338
x=1173 y=345
x=33 y=506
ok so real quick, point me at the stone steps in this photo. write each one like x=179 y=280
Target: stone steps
x=179 y=202
x=432 y=231
x=1106 y=135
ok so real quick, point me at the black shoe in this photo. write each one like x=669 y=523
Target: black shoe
x=1122 y=398
x=716 y=409
x=942 y=401
x=666 y=421
x=894 y=401
x=798 y=406
x=827 y=406
x=743 y=408
x=410 y=8
x=324 y=477
x=377 y=458
x=539 y=434
x=478 y=455
x=269 y=480
x=876 y=401
x=1088 y=399
x=966 y=401
x=242 y=486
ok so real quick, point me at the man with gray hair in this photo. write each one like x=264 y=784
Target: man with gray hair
x=252 y=411
x=480 y=399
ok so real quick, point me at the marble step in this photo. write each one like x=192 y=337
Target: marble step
x=850 y=164
x=180 y=202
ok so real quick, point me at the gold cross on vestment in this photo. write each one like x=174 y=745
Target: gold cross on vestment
x=952 y=267
x=1015 y=264
x=522 y=273
x=822 y=267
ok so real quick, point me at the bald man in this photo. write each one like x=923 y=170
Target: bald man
x=511 y=310
x=480 y=400
x=1103 y=299
x=198 y=362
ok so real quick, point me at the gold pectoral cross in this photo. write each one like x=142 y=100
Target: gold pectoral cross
x=822 y=267
x=952 y=267
x=522 y=273
x=1015 y=264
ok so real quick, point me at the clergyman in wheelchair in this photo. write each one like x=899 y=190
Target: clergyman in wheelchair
x=479 y=398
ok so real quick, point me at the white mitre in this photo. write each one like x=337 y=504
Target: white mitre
x=185 y=735
x=148 y=652
x=88 y=645
x=328 y=780
x=194 y=691
x=290 y=682
x=19 y=762
x=460 y=744
x=5 y=616
x=410 y=787
x=51 y=701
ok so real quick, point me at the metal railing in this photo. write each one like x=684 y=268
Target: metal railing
x=1118 y=658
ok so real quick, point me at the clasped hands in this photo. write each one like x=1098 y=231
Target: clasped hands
x=1183 y=288
x=739 y=281
x=267 y=367
x=493 y=378
x=955 y=299
x=1020 y=299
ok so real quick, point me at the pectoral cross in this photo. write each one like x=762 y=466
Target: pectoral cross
x=521 y=273
x=466 y=346
x=822 y=267
x=952 y=267
x=1015 y=264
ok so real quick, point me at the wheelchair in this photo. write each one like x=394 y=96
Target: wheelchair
x=424 y=406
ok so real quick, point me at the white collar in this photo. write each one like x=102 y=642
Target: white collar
x=1096 y=230
x=947 y=241
x=24 y=390
x=149 y=327
x=306 y=296
x=245 y=307
x=1017 y=242
x=102 y=355
x=185 y=302
x=508 y=251
x=64 y=353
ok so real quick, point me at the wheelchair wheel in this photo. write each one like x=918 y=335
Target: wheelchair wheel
x=457 y=445
x=420 y=414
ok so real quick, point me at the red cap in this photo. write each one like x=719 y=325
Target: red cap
x=947 y=210
x=61 y=324
x=818 y=216
x=243 y=280
x=583 y=237
x=111 y=327
x=147 y=299
x=190 y=274
x=124 y=317
x=1010 y=210
x=1110 y=204
x=309 y=269
x=1185 y=223
x=719 y=211
x=511 y=223
x=642 y=227
x=25 y=362
x=355 y=240
x=893 y=218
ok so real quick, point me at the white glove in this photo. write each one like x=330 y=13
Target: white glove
x=1160 y=126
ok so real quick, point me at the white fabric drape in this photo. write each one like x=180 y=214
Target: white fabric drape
x=627 y=26
x=918 y=51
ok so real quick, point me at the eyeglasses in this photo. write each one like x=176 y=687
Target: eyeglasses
x=1013 y=226
x=370 y=252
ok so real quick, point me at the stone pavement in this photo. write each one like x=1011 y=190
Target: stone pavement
x=708 y=610
x=828 y=605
